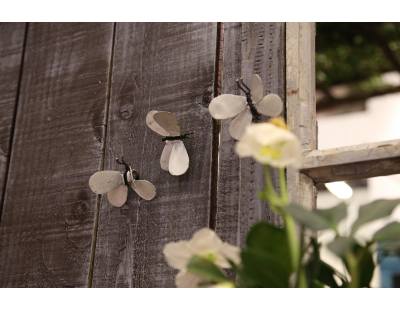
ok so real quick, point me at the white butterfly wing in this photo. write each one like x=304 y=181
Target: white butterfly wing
x=105 y=181
x=144 y=189
x=238 y=126
x=117 y=196
x=168 y=122
x=270 y=105
x=227 y=106
x=179 y=159
x=256 y=88
x=166 y=154
x=154 y=125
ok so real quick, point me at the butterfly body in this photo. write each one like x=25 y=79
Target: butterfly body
x=174 y=157
x=247 y=108
x=115 y=184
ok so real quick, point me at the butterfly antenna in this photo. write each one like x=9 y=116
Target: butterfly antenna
x=248 y=89
x=123 y=163
x=238 y=84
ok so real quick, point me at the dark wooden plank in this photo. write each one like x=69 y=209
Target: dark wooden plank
x=11 y=46
x=49 y=211
x=248 y=48
x=157 y=66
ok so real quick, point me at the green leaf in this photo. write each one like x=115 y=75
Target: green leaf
x=309 y=219
x=317 y=284
x=313 y=264
x=271 y=239
x=318 y=272
x=326 y=275
x=365 y=264
x=334 y=215
x=265 y=269
x=367 y=267
x=205 y=269
x=389 y=232
x=374 y=210
x=262 y=195
x=342 y=245
x=242 y=279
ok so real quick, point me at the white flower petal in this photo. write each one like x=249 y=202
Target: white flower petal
x=187 y=280
x=238 y=126
x=247 y=146
x=270 y=144
x=227 y=106
x=223 y=285
x=266 y=133
x=205 y=241
x=232 y=252
x=270 y=105
x=228 y=251
x=177 y=254
x=256 y=88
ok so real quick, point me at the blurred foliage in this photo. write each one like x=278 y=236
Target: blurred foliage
x=350 y=52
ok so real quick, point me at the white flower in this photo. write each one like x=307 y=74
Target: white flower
x=205 y=243
x=270 y=144
x=188 y=280
x=223 y=285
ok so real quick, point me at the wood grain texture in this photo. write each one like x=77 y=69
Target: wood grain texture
x=49 y=210
x=300 y=104
x=164 y=67
x=248 y=48
x=11 y=46
x=353 y=162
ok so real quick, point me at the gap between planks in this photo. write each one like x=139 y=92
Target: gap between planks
x=14 y=120
x=107 y=106
x=216 y=128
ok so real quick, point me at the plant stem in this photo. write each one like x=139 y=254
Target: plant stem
x=282 y=182
x=353 y=270
x=301 y=278
x=269 y=188
x=273 y=198
x=291 y=235
x=290 y=225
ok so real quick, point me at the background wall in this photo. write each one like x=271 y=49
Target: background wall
x=73 y=97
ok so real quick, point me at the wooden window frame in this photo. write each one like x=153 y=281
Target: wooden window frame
x=323 y=166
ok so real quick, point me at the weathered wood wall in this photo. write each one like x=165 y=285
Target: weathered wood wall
x=48 y=218
x=248 y=48
x=85 y=90
x=11 y=51
x=164 y=67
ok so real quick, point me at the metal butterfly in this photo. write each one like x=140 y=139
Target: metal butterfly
x=174 y=157
x=115 y=184
x=246 y=108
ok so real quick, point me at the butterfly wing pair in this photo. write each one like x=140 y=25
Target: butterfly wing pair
x=228 y=106
x=113 y=183
x=174 y=157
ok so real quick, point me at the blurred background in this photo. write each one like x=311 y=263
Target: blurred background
x=358 y=101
